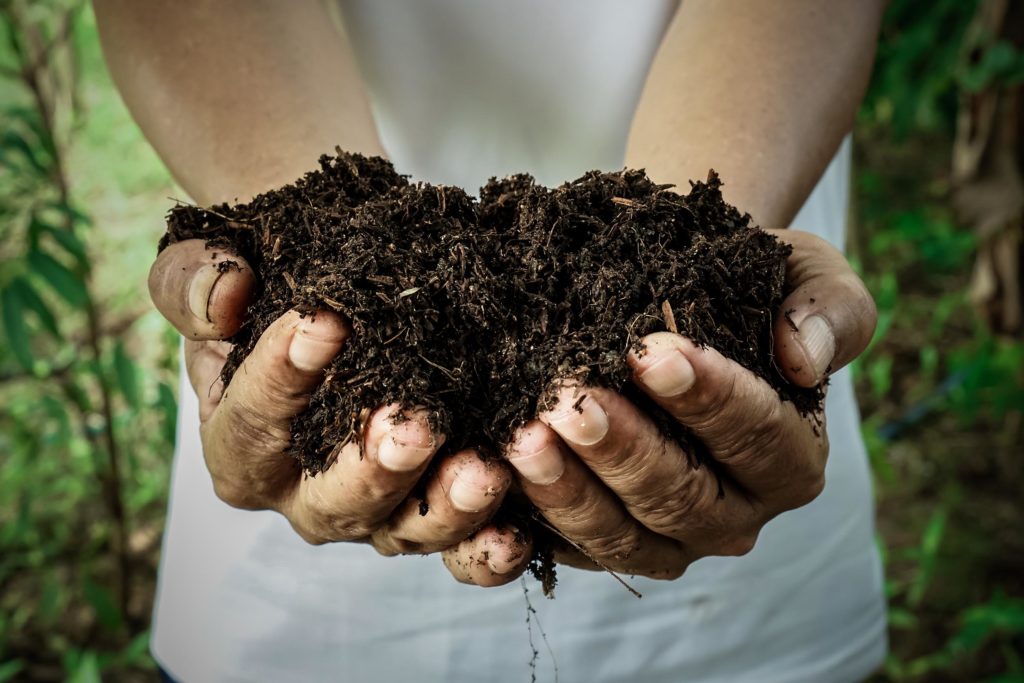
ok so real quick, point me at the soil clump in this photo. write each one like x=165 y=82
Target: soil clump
x=476 y=309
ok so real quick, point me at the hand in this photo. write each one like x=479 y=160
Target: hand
x=627 y=499
x=247 y=427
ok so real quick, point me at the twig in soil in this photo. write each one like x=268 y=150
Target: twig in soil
x=547 y=525
x=670 y=319
x=432 y=364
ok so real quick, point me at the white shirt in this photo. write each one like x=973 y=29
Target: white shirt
x=462 y=90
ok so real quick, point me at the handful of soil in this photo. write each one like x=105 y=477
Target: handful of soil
x=475 y=308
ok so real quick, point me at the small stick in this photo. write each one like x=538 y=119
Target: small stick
x=670 y=319
x=590 y=557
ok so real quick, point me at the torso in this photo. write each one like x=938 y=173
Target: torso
x=463 y=91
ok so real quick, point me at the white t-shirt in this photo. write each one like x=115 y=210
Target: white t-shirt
x=463 y=90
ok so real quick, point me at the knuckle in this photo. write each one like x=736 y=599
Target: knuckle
x=737 y=545
x=237 y=495
x=687 y=501
x=759 y=432
x=616 y=548
x=308 y=535
x=330 y=521
x=402 y=546
x=278 y=388
x=809 y=491
x=251 y=427
x=386 y=550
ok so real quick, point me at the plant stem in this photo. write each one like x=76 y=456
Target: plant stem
x=34 y=66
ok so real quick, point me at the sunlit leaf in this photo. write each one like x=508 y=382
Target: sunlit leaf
x=85 y=669
x=69 y=241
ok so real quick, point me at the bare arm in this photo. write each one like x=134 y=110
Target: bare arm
x=237 y=96
x=763 y=92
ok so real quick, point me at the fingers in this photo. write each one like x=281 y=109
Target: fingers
x=360 y=490
x=463 y=494
x=652 y=475
x=586 y=511
x=828 y=318
x=244 y=438
x=493 y=556
x=774 y=453
x=204 y=361
x=203 y=292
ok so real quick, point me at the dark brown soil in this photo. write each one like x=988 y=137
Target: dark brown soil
x=474 y=308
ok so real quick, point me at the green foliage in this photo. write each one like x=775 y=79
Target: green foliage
x=942 y=398
x=80 y=368
x=86 y=406
x=919 y=58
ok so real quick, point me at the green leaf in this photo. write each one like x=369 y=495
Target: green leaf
x=66 y=283
x=879 y=372
x=14 y=325
x=931 y=541
x=8 y=670
x=169 y=407
x=136 y=653
x=902 y=619
x=103 y=604
x=85 y=668
x=127 y=375
x=69 y=241
x=31 y=300
x=13 y=142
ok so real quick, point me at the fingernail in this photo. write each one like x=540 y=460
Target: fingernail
x=668 y=374
x=580 y=420
x=541 y=467
x=405 y=448
x=200 y=290
x=309 y=351
x=819 y=342
x=505 y=556
x=469 y=494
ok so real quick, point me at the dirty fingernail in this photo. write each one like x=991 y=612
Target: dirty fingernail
x=200 y=290
x=668 y=374
x=819 y=343
x=541 y=467
x=579 y=419
x=401 y=456
x=469 y=494
x=310 y=351
x=504 y=556
x=408 y=442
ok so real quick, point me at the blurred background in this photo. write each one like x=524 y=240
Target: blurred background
x=88 y=369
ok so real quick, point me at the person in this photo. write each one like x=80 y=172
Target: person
x=241 y=96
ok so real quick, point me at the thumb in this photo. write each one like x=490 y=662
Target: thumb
x=829 y=316
x=203 y=292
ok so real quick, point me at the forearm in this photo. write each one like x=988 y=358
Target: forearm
x=237 y=96
x=763 y=92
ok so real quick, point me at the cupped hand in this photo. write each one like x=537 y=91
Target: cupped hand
x=625 y=498
x=246 y=427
